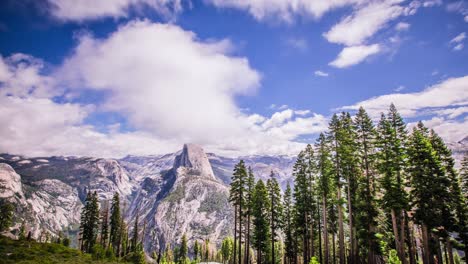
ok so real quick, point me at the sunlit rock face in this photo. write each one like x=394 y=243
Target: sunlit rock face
x=186 y=199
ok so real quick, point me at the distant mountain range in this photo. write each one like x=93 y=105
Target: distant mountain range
x=183 y=192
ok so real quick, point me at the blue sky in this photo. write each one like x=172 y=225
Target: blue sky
x=238 y=77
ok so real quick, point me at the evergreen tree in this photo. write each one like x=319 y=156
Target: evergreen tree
x=6 y=214
x=105 y=225
x=89 y=222
x=366 y=139
x=183 y=250
x=196 y=250
x=301 y=208
x=237 y=198
x=430 y=188
x=455 y=216
x=115 y=224
x=464 y=176
x=226 y=249
x=334 y=136
x=288 y=224
x=275 y=213
x=325 y=186
x=135 y=232
x=261 y=230
x=250 y=185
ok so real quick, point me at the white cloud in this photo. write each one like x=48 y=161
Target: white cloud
x=321 y=73
x=449 y=129
x=402 y=26
x=80 y=10
x=20 y=76
x=284 y=10
x=449 y=93
x=459 y=7
x=459 y=38
x=458 y=47
x=172 y=88
x=354 y=55
x=165 y=80
x=356 y=28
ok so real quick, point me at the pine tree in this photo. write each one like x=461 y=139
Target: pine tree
x=237 y=198
x=261 y=230
x=115 y=224
x=311 y=198
x=275 y=213
x=462 y=205
x=301 y=208
x=89 y=222
x=392 y=162
x=430 y=188
x=196 y=250
x=288 y=219
x=455 y=216
x=226 y=249
x=135 y=231
x=250 y=185
x=105 y=225
x=325 y=186
x=464 y=176
x=334 y=136
x=6 y=214
x=366 y=139
x=183 y=250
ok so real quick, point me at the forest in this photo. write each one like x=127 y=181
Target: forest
x=363 y=193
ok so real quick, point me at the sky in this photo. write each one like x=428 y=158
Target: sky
x=239 y=77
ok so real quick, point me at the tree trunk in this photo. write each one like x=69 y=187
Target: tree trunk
x=305 y=242
x=240 y=233
x=428 y=258
x=334 y=248
x=398 y=246
x=351 y=226
x=325 y=229
x=235 y=234
x=411 y=249
x=319 y=232
x=402 y=237
x=247 y=243
x=341 y=229
x=450 y=251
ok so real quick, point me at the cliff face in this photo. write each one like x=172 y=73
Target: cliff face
x=185 y=199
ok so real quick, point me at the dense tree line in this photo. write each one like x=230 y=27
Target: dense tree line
x=364 y=193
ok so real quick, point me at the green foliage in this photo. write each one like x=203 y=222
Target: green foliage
x=66 y=241
x=89 y=222
x=261 y=231
x=6 y=214
x=31 y=252
x=98 y=252
x=314 y=260
x=115 y=223
x=393 y=257
x=227 y=248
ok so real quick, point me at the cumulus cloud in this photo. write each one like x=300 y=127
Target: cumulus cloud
x=164 y=79
x=81 y=10
x=171 y=88
x=356 y=28
x=354 y=55
x=449 y=93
